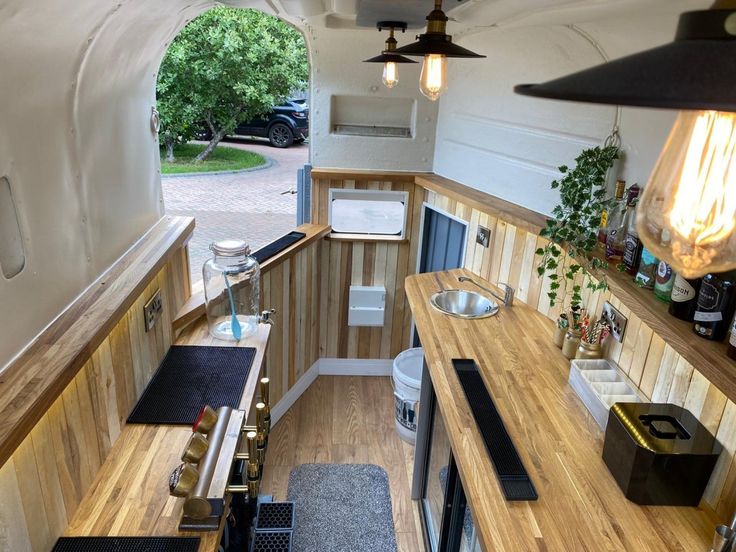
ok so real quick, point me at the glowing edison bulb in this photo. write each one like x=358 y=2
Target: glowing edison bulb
x=390 y=74
x=433 y=80
x=687 y=214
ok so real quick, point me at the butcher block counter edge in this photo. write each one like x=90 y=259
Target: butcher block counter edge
x=580 y=506
x=130 y=495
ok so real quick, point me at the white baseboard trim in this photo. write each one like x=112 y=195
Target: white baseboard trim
x=291 y=396
x=355 y=367
x=330 y=367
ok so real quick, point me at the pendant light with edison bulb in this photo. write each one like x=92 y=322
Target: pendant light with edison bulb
x=687 y=212
x=390 y=59
x=435 y=46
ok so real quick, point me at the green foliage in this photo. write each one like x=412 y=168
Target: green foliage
x=575 y=225
x=226 y=66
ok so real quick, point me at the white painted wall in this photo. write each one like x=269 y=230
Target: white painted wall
x=510 y=145
x=337 y=69
x=77 y=85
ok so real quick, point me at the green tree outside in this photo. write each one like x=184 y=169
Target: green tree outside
x=228 y=65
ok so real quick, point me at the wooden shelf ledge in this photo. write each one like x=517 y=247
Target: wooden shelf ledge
x=194 y=307
x=30 y=384
x=708 y=357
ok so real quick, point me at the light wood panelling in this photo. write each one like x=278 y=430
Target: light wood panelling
x=32 y=382
x=46 y=478
x=367 y=263
x=292 y=287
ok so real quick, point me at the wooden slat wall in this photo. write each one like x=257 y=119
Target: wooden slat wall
x=48 y=474
x=345 y=263
x=292 y=288
x=661 y=373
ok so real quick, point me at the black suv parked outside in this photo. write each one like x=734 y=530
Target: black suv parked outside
x=287 y=124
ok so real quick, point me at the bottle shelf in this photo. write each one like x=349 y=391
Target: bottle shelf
x=708 y=357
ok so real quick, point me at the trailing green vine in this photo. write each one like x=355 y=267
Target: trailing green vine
x=575 y=226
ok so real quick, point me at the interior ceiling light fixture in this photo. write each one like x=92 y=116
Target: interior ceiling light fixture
x=687 y=213
x=436 y=46
x=388 y=57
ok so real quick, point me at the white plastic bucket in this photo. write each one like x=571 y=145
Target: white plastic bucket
x=407 y=379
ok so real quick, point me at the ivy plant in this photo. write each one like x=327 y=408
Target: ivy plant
x=574 y=226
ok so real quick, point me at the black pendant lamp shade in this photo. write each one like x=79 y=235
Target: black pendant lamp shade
x=696 y=71
x=436 y=40
x=389 y=55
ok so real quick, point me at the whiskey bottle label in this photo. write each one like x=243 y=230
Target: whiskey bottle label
x=631 y=246
x=682 y=291
x=708 y=316
x=732 y=337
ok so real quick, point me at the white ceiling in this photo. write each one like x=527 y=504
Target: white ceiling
x=469 y=15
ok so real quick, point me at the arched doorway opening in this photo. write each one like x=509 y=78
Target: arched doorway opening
x=232 y=93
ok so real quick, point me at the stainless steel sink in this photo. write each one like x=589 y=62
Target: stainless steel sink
x=463 y=304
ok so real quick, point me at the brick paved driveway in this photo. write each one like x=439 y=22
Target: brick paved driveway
x=248 y=206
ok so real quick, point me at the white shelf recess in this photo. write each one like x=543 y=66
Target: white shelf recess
x=600 y=384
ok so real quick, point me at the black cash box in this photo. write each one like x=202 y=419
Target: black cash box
x=659 y=454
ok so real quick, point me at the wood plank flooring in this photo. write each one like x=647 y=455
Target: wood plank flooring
x=345 y=419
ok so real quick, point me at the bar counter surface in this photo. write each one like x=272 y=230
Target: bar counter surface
x=130 y=495
x=580 y=507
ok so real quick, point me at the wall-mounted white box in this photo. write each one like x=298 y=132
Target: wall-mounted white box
x=366 y=306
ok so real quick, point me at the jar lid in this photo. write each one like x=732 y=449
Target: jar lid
x=230 y=248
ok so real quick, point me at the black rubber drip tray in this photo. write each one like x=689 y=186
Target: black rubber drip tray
x=511 y=473
x=191 y=377
x=127 y=544
x=276 y=247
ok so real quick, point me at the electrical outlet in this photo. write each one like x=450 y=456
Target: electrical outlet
x=616 y=320
x=152 y=310
x=484 y=236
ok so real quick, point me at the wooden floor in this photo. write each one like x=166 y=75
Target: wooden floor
x=349 y=420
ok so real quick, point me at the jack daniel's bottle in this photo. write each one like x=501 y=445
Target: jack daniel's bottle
x=715 y=305
x=684 y=297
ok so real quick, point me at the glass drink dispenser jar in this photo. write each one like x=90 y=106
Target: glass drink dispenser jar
x=231 y=290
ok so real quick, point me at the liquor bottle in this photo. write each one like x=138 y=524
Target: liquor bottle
x=614 y=222
x=632 y=244
x=684 y=297
x=732 y=341
x=647 y=273
x=715 y=307
x=664 y=282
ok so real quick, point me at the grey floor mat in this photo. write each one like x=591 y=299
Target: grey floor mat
x=341 y=508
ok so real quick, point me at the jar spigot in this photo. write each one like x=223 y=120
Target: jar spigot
x=266 y=315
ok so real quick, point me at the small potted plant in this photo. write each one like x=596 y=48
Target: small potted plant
x=574 y=227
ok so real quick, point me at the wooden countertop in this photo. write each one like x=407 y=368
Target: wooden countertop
x=130 y=495
x=580 y=506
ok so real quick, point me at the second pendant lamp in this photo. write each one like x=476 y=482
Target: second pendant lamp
x=436 y=46
x=388 y=57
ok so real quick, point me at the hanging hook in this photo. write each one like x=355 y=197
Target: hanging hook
x=614 y=139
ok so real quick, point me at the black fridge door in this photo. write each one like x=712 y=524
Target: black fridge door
x=446 y=519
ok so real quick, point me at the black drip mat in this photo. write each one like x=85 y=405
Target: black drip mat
x=276 y=247
x=275 y=515
x=127 y=544
x=272 y=541
x=191 y=377
x=511 y=473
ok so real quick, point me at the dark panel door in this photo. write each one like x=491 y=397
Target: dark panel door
x=443 y=242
